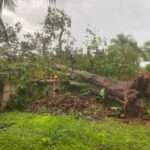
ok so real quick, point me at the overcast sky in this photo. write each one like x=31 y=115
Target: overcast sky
x=106 y=17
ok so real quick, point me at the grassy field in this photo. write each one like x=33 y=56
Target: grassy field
x=45 y=132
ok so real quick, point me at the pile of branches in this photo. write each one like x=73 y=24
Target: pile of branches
x=87 y=107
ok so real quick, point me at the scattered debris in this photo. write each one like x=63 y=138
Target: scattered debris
x=83 y=106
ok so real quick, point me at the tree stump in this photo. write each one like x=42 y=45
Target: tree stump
x=8 y=91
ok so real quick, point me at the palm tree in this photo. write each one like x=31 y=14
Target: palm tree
x=53 y=3
x=9 y=4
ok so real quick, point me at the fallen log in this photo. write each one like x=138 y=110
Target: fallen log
x=92 y=90
x=129 y=94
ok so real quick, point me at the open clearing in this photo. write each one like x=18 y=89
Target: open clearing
x=27 y=131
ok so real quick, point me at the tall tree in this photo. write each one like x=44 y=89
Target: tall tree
x=57 y=26
x=53 y=2
x=124 y=55
x=146 y=50
x=9 y=4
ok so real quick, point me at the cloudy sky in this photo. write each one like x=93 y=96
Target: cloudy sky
x=106 y=17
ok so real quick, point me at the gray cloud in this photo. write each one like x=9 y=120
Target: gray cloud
x=106 y=17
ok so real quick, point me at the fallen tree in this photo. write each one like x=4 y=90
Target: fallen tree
x=130 y=94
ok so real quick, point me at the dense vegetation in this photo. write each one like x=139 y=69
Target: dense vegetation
x=29 y=77
x=118 y=58
x=35 y=55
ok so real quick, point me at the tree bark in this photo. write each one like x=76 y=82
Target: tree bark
x=3 y=30
x=128 y=93
x=8 y=91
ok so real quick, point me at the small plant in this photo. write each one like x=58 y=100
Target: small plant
x=102 y=93
x=43 y=109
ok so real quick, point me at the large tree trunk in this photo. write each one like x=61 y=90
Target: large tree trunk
x=3 y=30
x=129 y=94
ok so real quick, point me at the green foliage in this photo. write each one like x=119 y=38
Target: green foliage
x=146 y=49
x=21 y=75
x=43 y=109
x=34 y=57
x=56 y=27
x=120 y=59
x=147 y=68
x=124 y=56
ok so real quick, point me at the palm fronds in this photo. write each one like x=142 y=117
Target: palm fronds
x=53 y=2
x=9 y=4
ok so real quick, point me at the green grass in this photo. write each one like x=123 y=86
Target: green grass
x=46 y=132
